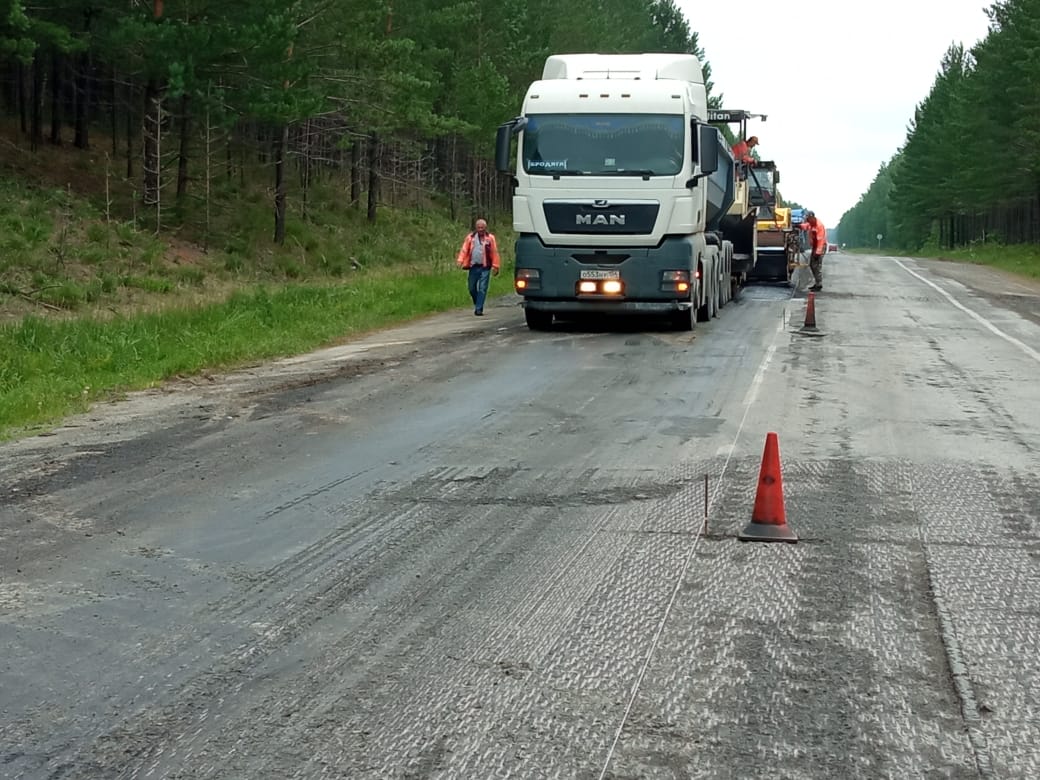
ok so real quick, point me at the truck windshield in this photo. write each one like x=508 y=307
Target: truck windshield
x=604 y=144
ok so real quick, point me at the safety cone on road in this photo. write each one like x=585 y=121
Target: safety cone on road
x=768 y=518
x=810 y=313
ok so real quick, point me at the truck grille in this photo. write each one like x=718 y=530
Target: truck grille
x=628 y=219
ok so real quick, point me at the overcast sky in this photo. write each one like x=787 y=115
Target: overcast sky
x=838 y=79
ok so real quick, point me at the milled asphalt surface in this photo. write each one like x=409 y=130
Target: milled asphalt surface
x=462 y=550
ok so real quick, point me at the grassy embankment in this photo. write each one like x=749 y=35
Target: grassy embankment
x=92 y=306
x=1017 y=259
x=1021 y=259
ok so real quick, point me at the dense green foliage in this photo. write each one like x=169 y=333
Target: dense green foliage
x=969 y=171
x=303 y=83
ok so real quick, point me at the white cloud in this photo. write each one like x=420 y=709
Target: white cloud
x=838 y=80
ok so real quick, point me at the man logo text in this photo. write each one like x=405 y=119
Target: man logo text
x=600 y=219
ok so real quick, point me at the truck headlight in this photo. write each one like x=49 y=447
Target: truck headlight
x=675 y=281
x=527 y=279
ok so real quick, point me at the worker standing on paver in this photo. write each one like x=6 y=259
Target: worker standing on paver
x=742 y=150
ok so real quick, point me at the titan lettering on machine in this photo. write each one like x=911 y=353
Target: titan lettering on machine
x=599 y=219
x=723 y=115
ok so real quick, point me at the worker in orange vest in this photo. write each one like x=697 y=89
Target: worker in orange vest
x=817 y=247
x=479 y=255
x=742 y=150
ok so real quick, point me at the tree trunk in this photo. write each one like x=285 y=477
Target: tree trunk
x=84 y=80
x=56 y=90
x=23 y=100
x=129 y=130
x=1030 y=228
x=36 y=127
x=355 y=173
x=230 y=167
x=182 y=156
x=113 y=115
x=451 y=181
x=279 y=184
x=373 y=176
x=152 y=124
x=306 y=170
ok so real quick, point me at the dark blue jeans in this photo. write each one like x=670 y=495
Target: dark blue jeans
x=479 y=276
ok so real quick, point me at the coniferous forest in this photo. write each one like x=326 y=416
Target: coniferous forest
x=394 y=101
x=969 y=171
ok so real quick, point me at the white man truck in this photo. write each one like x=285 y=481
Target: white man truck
x=622 y=190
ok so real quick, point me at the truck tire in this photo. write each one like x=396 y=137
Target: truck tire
x=685 y=320
x=704 y=312
x=538 y=320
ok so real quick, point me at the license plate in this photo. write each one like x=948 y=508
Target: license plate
x=590 y=274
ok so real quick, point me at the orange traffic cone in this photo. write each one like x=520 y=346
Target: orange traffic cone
x=768 y=518
x=810 y=313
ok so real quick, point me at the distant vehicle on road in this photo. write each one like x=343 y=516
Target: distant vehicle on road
x=832 y=247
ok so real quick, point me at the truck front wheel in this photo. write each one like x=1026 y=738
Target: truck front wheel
x=704 y=312
x=538 y=320
x=685 y=320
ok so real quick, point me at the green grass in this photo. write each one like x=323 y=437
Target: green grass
x=49 y=368
x=54 y=246
x=1017 y=259
x=92 y=306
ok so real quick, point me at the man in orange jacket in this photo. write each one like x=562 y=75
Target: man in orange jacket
x=479 y=255
x=742 y=150
x=817 y=247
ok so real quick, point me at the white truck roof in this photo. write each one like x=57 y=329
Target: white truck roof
x=604 y=96
x=645 y=67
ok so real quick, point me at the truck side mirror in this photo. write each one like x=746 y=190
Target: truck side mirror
x=709 y=149
x=503 y=144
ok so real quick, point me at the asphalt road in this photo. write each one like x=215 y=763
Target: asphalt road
x=462 y=550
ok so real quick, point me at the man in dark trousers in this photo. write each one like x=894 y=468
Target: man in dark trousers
x=479 y=256
x=817 y=247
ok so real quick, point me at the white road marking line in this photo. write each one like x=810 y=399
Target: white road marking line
x=748 y=400
x=582 y=406
x=760 y=375
x=975 y=316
